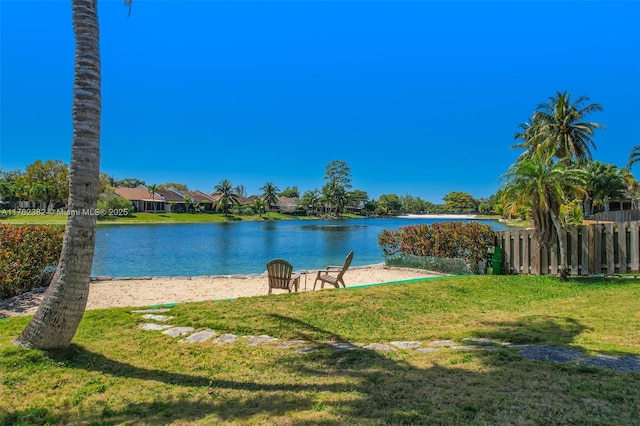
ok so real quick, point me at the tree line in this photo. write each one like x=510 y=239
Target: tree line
x=46 y=184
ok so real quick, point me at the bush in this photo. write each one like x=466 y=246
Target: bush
x=247 y=210
x=29 y=255
x=114 y=205
x=447 y=240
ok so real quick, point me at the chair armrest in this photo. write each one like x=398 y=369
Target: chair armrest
x=333 y=268
x=326 y=271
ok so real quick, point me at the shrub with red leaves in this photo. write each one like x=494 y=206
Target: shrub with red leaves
x=446 y=240
x=28 y=256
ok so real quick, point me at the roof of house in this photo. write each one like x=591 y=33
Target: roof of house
x=171 y=195
x=287 y=202
x=200 y=197
x=246 y=200
x=140 y=192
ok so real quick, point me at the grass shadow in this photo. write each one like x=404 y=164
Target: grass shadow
x=362 y=386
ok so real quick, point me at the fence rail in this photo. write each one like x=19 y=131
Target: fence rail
x=605 y=248
x=617 y=216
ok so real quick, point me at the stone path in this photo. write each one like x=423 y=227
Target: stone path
x=534 y=352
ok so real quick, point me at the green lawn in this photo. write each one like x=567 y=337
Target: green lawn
x=116 y=373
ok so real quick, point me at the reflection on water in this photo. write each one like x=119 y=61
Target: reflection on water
x=238 y=247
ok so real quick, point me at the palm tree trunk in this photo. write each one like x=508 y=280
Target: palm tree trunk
x=57 y=319
x=587 y=207
x=563 y=269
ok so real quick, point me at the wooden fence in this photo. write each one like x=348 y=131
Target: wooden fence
x=617 y=216
x=605 y=248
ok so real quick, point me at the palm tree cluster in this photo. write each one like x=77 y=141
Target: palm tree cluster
x=554 y=181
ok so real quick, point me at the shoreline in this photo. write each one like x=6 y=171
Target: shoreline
x=440 y=216
x=163 y=218
x=148 y=291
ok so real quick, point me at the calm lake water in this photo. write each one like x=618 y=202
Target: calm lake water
x=240 y=247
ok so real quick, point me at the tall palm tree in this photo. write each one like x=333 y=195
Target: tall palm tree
x=633 y=187
x=19 y=192
x=544 y=186
x=188 y=203
x=634 y=156
x=530 y=137
x=42 y=192
x=60 y=312
x=604 y=182
x=241 y=190
x=7 y=191
x=341 y=199
x=311 y=199
x=259 y=204
x=228 y=196
x=559 y=124
x=152 y=192
x=270 y=195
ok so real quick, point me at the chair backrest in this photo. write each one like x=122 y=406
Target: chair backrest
x=279 y=272
x=347 y=263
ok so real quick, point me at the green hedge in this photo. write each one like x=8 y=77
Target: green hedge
x=447 y=240
x=29 y=255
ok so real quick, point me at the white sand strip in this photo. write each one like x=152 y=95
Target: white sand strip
x=146 y=292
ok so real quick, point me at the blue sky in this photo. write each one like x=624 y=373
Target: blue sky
x=418 y=97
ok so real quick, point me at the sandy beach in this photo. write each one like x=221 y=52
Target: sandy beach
x=159 y=290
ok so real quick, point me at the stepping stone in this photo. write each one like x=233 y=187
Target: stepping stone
x=289 y=343
x=518 y=346
x=200 y=336
x=426 y=350
x=157 y=317
x=549 y=353
x=225 y=338
x=618 y=363
x=442 y=343
x=178 y=331
x=152 y=326
x=342 y=346
x=380 y=347
x=260 y=340
x=150 y=311
x=479 y=340
x=406 y=345
x=489 y=347
x=306 y=350
x=464 y=347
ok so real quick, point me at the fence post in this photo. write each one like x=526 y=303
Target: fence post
x=574 y=231
x=526 y=252
x=535 y=256
x=635 y=247
x=515 y=262
x=506 y=253
x=585 y=266
x=622 y=247
x=609 y=248
x=595 y=251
